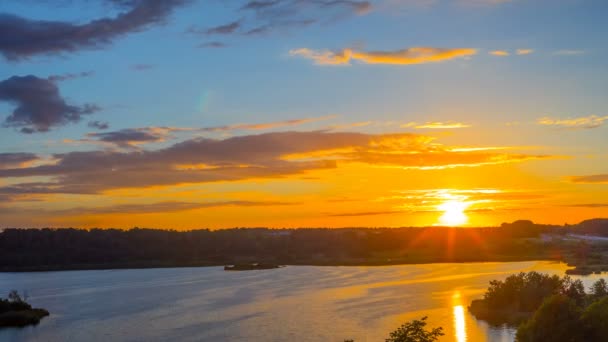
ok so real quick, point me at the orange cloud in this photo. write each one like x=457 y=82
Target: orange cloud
x=592 y=179
x=499 y=53
x=524 y=51
x=269 y=155
x=409 y=56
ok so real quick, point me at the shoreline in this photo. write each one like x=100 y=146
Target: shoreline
x=103 y=267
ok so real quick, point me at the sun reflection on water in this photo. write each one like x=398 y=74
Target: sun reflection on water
x=460 y=329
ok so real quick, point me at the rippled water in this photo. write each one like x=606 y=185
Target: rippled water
x=296 y=303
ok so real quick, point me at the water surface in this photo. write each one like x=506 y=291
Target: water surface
x=296 y=303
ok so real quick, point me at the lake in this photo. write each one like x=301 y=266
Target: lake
x=295 y=303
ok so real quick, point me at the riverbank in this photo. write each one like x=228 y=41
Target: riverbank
x=316 y=262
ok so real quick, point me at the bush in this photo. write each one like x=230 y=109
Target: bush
x=557 y=320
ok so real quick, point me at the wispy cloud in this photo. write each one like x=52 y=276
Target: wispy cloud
x=587 y=205
x=142 y=67
x=483 y=2
x=524 y=51
x=266 y=125
x=161 y=207
x=436 y=125
x=367 y=213
x=414 y=55
x=591 y=179
x=586 y=122
x=69 y=76
x=213 y=45
x=500 y=53
x=101 y=125
x=569 y=52
x=221 y=29
x=260 y=17
x=133 y=138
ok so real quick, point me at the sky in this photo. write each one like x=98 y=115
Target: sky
x=190 y=114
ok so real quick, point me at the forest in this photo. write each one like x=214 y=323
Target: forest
x=69 y=248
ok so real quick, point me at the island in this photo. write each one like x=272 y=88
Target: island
x=16 y=312
x=251 y=267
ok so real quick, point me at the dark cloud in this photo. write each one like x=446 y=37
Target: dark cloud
x=269 y=155
x=266 y=16
x=257 y=5
x=12 y=160
x=21 y=37
x=101 y=125
x=69 y=76
x=224 y=29
x=131 y=137
x=359 y=7
x=39 y=105
x=597 y=179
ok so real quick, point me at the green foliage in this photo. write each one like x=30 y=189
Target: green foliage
x=599 y=289
x=415 y=331
x=524 y=292
x=557 y=320
x=574 y=289
x=595 y=320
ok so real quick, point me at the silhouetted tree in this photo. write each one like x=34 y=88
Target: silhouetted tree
x=14 y=297
x=415 y=331
x=557 y=320
x=524 y=291
x=595 y=321
x=599 y=289
x=574 y=289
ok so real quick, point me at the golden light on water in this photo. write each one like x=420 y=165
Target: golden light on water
x=453 y=213
x=460 y=329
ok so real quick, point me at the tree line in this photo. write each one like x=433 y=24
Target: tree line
x=40 y=249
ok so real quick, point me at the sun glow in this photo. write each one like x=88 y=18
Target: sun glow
x=453 y=213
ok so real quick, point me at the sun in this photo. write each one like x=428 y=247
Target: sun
x=453 y=213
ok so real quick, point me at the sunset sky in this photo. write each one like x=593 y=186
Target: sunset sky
x=302 y=113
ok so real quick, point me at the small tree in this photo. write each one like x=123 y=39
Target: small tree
x=574 y=289
x=595 y=321
x=599 y=289
x=14 y=297
x=415 y=331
